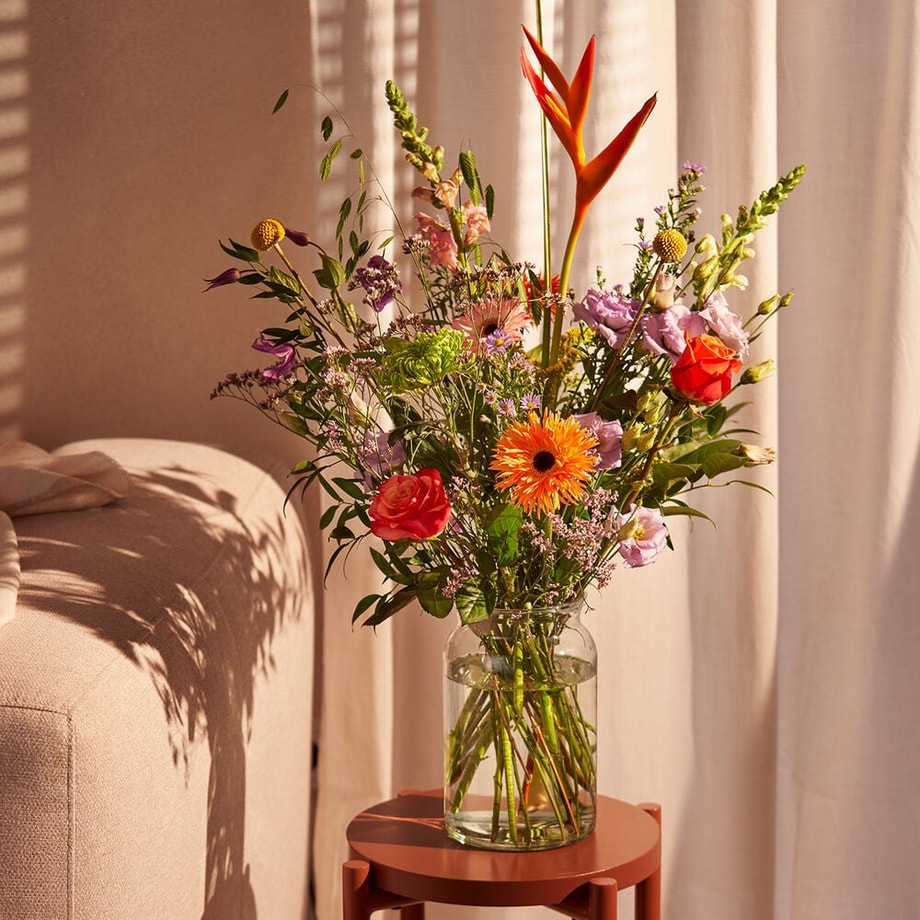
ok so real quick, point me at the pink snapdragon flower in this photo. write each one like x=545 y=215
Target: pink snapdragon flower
x=476 y=222
x=643 y=535
x=440 y=240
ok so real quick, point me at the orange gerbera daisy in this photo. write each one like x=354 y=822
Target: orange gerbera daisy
x=544 y=461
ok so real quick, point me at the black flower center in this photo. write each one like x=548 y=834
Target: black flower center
x=543 y=461
x=488 y=329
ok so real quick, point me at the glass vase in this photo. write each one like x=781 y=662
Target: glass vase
x=520 y=705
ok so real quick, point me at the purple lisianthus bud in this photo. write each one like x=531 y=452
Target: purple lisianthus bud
x=297 y=237
x=609 y=439
x=643 y=535
x=284 y=353
x=228 y=276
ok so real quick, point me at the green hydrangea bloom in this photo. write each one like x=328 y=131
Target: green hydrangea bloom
x=414 y=364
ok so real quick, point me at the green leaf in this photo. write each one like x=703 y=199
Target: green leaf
x=357 y=153
x=340 y=533
x=490 y=201
x=430 y=587
x=350 y=487
x=281 y=100
x=471 y=175
x=325 y=166
x=327 y=517
x=386 y=607
x=238 y=251
x=665 y=476
x=473 y=603
x=332 y=274
x=364 y=604
x=326 y=128
x=685 y=511
x=504 y=529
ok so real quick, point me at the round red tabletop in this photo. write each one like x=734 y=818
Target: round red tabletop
x=411 y=855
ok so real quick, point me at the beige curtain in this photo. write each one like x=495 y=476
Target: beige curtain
x=760 y=681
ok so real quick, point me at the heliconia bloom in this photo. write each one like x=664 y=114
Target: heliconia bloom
x=285 y=354
x=490 y=315
x=443 y=248
x=611 y=313
x=476 y=222
x=609 y=436
x=704 y=371
x=565 y=111
x=643 y=535
x=228 y=276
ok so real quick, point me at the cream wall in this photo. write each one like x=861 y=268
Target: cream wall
x=132 y=135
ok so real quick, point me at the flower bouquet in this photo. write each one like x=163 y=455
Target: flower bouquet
x=501 y=439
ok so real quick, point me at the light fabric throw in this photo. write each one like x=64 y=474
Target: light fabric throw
x=34 y=481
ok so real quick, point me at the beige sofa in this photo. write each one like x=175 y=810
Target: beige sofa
x=155 y=700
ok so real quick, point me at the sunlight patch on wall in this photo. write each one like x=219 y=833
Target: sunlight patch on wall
x=14 y=199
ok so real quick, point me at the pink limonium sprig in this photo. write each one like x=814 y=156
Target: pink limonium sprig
x=565 y=110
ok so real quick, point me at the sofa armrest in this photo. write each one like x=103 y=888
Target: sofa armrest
x=156 y=699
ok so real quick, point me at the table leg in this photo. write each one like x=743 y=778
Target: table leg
x=356 y=890
x=602 y=899
x=648 y=892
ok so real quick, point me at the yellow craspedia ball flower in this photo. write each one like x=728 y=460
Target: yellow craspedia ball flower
x=669 y=245
x=266 y=233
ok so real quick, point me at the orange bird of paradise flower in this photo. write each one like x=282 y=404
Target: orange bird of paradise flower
x=565 y=111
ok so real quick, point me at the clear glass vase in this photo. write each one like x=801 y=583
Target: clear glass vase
x=520 y=704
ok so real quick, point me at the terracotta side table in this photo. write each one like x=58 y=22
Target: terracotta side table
x=401 y=857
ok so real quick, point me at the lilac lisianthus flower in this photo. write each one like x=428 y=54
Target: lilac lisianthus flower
x=609 y=439
x=643 y=535
x=610 y=313
x=285 y=354
x=723 y=323
x=666 y=333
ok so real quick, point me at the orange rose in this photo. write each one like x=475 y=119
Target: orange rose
x=704 y=371
x=412 y=507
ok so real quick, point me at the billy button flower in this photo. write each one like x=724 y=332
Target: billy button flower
x=669 y=245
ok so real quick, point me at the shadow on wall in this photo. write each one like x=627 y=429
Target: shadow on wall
x=195 y=591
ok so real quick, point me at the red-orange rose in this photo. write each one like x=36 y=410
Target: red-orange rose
x=413 y=507
x=704 y=371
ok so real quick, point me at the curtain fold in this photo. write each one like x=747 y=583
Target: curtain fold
x=758 y=682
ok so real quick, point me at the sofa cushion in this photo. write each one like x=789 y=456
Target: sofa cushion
x=155 y=699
